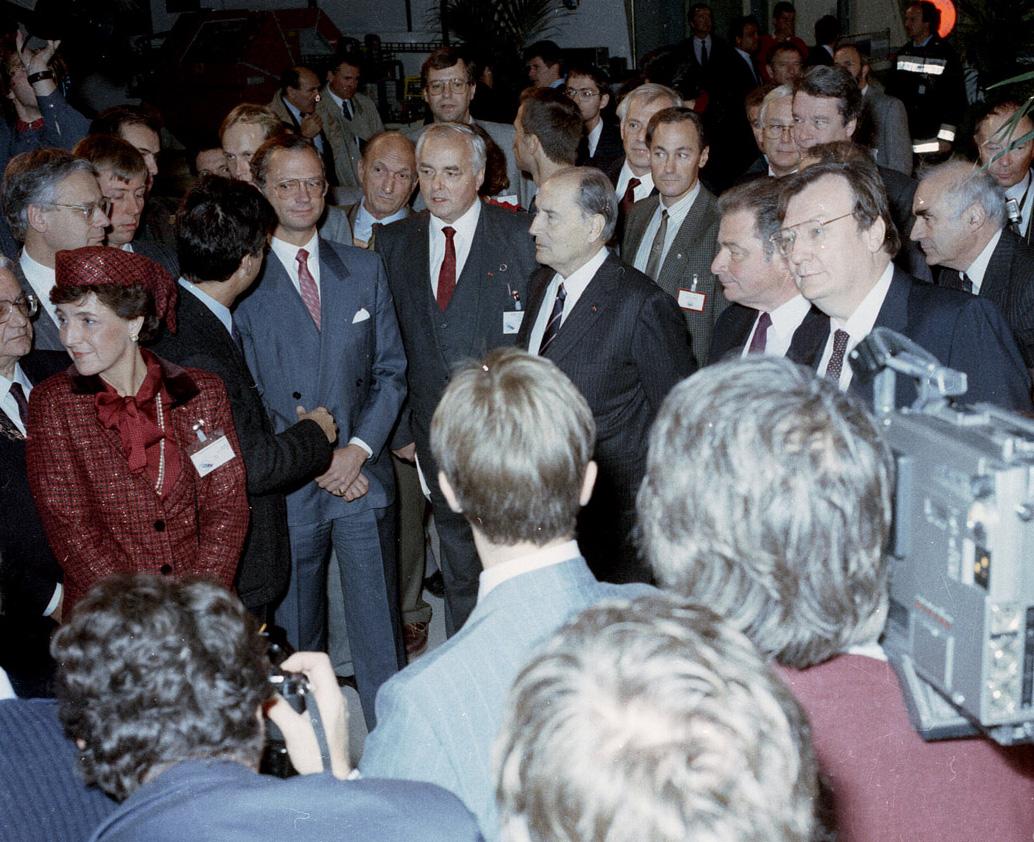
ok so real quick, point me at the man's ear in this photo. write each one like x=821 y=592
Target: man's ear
x=588 y=483
x=448 y=493
x=37 y=218
x=604 y=101
x=975 y=215
x=876 y=234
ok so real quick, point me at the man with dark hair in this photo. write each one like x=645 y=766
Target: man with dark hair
x=544 y=63
x=827 y=30
x=927 y=77
x=349 y=119
x=210 y=161
x=589 y=87
x=319 y=329
x=180 y=744
x=1008 y=152
x=744 y=35
x=618 y=336
x=222 y=231
x=671 y=237
x=547 y=131
x=785 y=63
x=51 y=201
x=437 y=719
x=839 y=238
x=784 y=27
x=295 y=104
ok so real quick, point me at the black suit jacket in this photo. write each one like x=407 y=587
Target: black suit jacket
x=608 y=148
x=733 y=327
x=160 y=254
x=1009 y=283
x=275 y=464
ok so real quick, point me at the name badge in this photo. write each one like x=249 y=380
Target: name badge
x=210 y=451
x=512 y=320
x=693 y=301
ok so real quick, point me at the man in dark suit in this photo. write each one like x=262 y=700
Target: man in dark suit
x=961 y=227
x=30 y=576
x=827 y=31
x=618 y=336
x=589 y=87
x=222 y=232
x=547 y=131
x=295 y=104
x=459 y=276
x=671 y=237
x=319 y=329
x=387 y=179
x=839 y=238
x=768 y=314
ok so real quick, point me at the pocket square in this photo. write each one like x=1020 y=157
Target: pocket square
x=361 y=315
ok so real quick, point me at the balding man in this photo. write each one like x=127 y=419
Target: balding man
x=295 y=104
x=387 y=178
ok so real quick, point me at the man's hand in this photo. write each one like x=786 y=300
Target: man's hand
x=322 y=417
x=407 y=452
x=311 y=125
x=357 y=489
x=344 y=468
x=302 y=745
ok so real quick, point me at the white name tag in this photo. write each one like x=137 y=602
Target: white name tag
x=215 y=454
x=689 y=300
x=512 y=320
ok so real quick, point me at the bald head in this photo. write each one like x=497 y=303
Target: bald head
x=387 y=173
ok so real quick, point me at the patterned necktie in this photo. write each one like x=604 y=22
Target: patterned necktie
x=555 y=318
x=836 y=360
x=653 y=264
x=18 y=393
x=967 y=282
x=629 y=198
x=307 y=284
x=447 y=274
x=760 y=337
x=346 y=109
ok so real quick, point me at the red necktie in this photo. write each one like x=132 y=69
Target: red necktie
x=447 y=274
x=18 y=393
x=760 y=337
x=307 y=284
x=836 y=359
x=629 y=198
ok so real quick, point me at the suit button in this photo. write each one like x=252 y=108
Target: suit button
x=159 y=526
x=165 y=569
x=296 y=395
x=359 y=382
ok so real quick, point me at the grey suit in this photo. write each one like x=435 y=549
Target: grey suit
x=890 y=129
x=334 y=225
x=438 y=717
x=48 y=338
x=344 y=135
x=691 y=253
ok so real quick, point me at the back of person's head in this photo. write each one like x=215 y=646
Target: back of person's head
x=551 y=116
x=827 y=30
x=653 y=720
x=513 y=437
x=112 y=120
x=110 y=153
x=767 y=498
x=963 y=184
x=220 y=221
x=153 y=671
x=32 y=178
x=251 y=114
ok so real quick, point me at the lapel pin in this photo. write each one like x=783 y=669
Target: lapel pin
x=503 y=267
x=594 y=308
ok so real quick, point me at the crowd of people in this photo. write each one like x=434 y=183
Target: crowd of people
x=595 y=362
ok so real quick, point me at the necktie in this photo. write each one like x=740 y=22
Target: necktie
x=967 y=282
x=653 y=263
x=836 y=360
x=447 y=274
x=629 y=198
x=553 y=325
x=18 y=393
x=703 y=52
x=346 y=109
x=760 y=337
x=307 y=284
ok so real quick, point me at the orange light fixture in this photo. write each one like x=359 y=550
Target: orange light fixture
x=948 y=17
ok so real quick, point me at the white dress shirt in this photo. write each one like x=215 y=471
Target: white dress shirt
x=499 y=573
x=6 y=690
x=287 y=254
x=786 y=318
x=642 y=190
x=592 y=138
x=858 y=326
x=316 y=141
x=465 y=227
x=42 y=280
x=574 y=286
x=676 y=216
x=1021 y=191
x=978 y=268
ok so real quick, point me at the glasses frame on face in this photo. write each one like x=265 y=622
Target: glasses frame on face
x=292 y=186
x=27 y=305
x=87 y=210
x=776 y=131
x=785 y=238
x=436 y=87
x=587 y=94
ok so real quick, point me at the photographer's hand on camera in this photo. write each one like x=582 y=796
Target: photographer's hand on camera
x=302 y=744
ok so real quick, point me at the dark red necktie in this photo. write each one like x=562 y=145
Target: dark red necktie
x=629 y=198
x=447 y=274
x=760 y=337
x=18 y=393
x=307 y=285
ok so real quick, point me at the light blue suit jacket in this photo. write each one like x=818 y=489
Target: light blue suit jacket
x=438 y=718
x=355 y=365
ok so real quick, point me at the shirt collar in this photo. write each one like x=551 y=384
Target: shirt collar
x=978 y=268
x=288 y=252
x=499 y=573
x=217 y=308
x=19 y=377
x=294 y=111
x=337 y=100
x=860 y=322
x=580 y=277
x=787 y=317
x=1019 y=188
x=677 y=212
x=464 y=226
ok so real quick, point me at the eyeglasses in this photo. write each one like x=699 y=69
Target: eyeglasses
x=88 y=209
x=292 y=186
x=581 y=93
x=775 y=131
x=813 y=232
x=27 y=305
x=438 y=86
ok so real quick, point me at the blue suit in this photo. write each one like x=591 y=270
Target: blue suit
x=355 y=366
x=437 y=718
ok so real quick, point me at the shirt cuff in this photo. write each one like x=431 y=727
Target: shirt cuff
x=360 y=443
x=55 y=600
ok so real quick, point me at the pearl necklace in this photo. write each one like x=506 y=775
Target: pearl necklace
x=161 y=445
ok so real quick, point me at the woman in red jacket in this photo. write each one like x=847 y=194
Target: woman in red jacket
x=116 y=447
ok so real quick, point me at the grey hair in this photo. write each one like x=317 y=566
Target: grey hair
x=653 y=719
x=772 y=96
x=476 y=143
x=595 y=195
x=648 y=92
x=7 y=264
x=767 y=497
x=760 y=198
x=32 y=178
x=968 y=183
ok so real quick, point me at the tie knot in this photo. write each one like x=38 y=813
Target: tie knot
x=764 y=321
x=303 y=256
x=449 y=232
x=634 y=182
x=561 y=292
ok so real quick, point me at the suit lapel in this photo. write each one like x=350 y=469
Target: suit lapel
x=686 y=240
x=999 y=270
x=894 y=315
x=596 y=298
x=48 y=336
x=637 y=224
x=337 y=308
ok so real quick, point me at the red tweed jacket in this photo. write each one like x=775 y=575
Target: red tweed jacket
x=101 y=519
